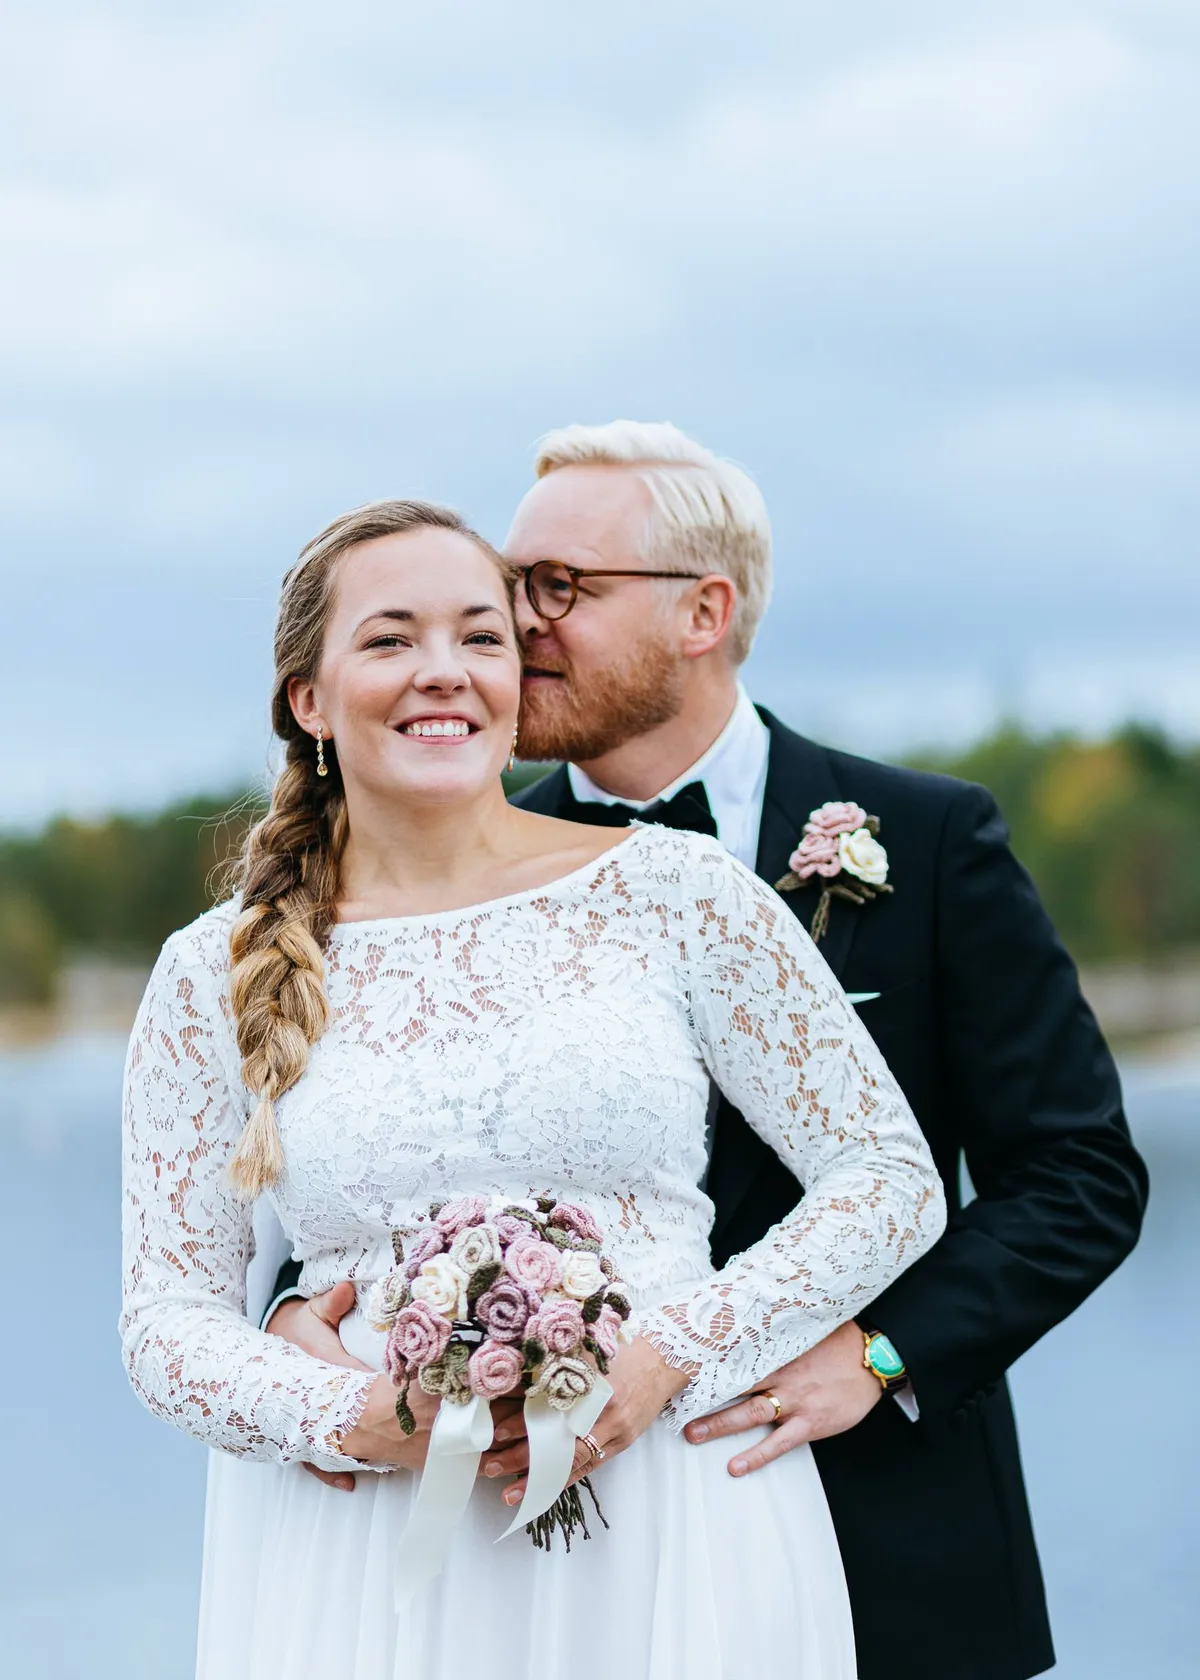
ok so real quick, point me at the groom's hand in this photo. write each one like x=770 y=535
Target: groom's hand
x=312 y=1326
x=824 y=1392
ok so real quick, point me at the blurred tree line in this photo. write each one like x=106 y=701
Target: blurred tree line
x=1109 y=830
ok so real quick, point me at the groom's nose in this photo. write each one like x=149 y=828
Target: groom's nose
x=529 y=624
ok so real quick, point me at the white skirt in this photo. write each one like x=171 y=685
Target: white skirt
x=700 y=1576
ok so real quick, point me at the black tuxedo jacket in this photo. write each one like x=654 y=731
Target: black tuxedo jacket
x=980 y=1018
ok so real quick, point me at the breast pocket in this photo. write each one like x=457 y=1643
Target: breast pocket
x=897 y=1018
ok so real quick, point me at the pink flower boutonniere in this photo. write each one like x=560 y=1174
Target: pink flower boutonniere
x=840 y=847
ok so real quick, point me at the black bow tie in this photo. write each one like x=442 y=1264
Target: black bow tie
x=689 y=809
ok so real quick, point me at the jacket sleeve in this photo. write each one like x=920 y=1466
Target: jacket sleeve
x=1031 y=1090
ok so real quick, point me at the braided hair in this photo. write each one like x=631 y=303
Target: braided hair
x=289 y=870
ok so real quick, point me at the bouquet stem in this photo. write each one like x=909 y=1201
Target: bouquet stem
x=567 y=1514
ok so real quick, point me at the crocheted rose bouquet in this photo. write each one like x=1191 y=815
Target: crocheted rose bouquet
x=500 y=1298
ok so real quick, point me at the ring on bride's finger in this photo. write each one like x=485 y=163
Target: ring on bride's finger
x=594 y=1447
x=775 y=1401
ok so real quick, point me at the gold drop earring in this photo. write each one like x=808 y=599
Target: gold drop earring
x=512 y=757
x=322 y=767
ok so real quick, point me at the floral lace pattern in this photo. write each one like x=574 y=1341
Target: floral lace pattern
x=564 y=1039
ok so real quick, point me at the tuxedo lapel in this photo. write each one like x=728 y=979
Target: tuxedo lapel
x=799 y=778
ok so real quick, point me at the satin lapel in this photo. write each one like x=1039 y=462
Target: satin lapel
x=799 y=778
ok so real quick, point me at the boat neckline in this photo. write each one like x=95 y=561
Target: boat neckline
x=599 y=862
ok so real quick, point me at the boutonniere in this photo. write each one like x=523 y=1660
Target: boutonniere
x=840 y=847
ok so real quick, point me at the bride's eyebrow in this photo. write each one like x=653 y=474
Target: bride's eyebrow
x=405 y=615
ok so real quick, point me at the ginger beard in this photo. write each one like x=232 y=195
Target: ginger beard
x=579 y=719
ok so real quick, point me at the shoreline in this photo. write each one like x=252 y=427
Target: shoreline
x=1148 y=1012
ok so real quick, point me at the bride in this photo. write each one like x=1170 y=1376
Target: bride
x=421 y=991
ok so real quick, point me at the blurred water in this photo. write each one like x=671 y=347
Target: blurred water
x=102 y=1506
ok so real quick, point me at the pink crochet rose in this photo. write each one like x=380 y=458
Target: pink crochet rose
x=419 y=1334
x=503 y=1310
x=394 y=1362
x=458 y=1214
x=568 y=1216
x=836 y=817
x=817 y=854
x=534 y=1264
x=424 y=1248
x=606 y=1332
x=494 y=1368
x=558 y=1326
x=511 y=1228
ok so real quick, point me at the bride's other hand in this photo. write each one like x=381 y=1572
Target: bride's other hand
x=642 y=1383
x=824 y=1392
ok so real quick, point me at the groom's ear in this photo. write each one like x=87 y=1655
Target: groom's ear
x=709 y=605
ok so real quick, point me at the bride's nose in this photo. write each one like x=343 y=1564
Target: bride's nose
x=441 y=671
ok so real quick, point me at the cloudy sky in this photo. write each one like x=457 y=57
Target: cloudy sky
x=929 y=271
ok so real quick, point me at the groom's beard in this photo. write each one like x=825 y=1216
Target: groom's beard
x=561 y=719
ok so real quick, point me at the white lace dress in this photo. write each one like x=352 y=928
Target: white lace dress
x=559 y=1039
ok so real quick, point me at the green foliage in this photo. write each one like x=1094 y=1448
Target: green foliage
x=1110 y=831
x=29 y=950
x=114 y=888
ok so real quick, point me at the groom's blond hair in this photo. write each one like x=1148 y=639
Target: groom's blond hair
x=708 y=512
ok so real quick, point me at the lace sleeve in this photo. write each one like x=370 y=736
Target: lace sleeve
x=783 y=1043
x=190 y=1354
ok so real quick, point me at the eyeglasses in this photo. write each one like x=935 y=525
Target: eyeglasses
x=553 y=587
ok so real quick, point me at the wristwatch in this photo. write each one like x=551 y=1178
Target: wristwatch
x=882 y=1360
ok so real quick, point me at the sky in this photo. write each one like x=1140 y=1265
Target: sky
x=929 y=272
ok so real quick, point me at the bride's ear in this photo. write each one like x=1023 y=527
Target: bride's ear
x=303 y=701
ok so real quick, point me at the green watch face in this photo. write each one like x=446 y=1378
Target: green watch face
x=885 y=1361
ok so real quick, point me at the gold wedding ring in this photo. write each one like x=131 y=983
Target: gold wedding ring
x=594 y=1447
x=775 y=1401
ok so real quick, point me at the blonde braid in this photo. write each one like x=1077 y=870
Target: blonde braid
x=289 y=871
x=277 y=977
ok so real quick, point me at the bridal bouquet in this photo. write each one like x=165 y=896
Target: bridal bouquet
x=497 y=1298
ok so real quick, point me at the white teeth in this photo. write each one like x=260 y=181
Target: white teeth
x=451 y=726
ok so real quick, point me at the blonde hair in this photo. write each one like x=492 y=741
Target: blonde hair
x=289 y=870
x=708 y=512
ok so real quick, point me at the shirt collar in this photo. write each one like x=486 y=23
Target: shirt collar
x=722 y=769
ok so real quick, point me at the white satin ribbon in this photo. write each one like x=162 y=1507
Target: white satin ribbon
x=552 y=1436
x=459 y=1438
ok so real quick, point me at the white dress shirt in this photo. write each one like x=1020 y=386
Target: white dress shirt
x=734 y=774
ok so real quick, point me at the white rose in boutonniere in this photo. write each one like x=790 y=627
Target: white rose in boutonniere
x=838 y=841
x=862 y=855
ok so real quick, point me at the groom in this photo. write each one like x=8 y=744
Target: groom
x=647 y=568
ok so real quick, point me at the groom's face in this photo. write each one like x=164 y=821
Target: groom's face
x=612 y=668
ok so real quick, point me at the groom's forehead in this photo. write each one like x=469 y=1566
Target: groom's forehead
x=592 y=507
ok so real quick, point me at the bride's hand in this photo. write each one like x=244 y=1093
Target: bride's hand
x=642 y=1384
x=377 y=1437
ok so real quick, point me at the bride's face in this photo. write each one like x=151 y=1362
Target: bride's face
x=420 y=679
